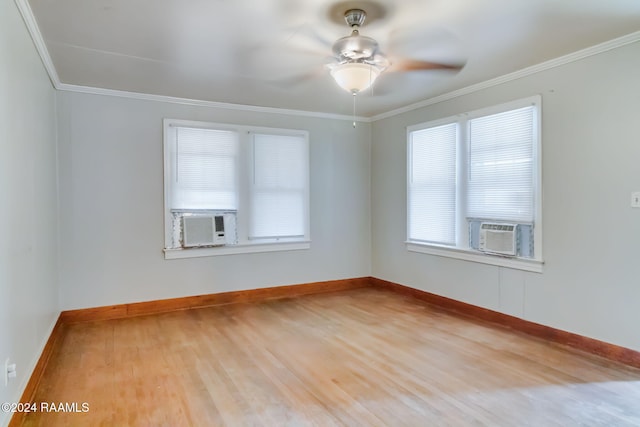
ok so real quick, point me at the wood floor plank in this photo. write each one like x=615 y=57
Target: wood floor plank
x=363 y=357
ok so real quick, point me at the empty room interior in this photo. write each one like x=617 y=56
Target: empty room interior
x=320 y=213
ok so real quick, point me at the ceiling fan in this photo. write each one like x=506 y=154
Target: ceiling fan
x=357 y=60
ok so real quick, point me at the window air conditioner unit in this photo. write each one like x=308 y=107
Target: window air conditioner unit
x=201 y=230
x=496 y=238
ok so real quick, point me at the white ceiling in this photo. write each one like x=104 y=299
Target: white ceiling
x=271 y=53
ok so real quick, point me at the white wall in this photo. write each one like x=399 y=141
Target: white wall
x=111 y=211
x=591 y=164
x=28 y=214
x=111 y=197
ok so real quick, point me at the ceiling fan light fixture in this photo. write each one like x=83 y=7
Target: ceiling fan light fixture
x=355 y=77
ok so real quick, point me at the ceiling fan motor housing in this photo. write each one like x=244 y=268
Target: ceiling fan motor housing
x=355 y=47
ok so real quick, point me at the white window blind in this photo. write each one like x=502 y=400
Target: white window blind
x=205 y=162
x=432 y=185
x=279 y=190
x=501 y=166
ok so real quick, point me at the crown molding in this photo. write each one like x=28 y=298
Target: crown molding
x=36 y=36
x=211 y=104
x=38 y=41
x=547 y=65
x=30 y=22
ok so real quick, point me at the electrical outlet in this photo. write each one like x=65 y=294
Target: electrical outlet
x=635 y=200
x=9 y=371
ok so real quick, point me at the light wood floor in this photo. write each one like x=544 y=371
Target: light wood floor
x=366 y=357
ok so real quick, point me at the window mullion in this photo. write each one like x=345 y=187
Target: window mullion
x=461 y=185
x=244 y=180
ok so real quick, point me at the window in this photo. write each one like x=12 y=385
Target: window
x=205 y=172
x=279 y=187
x=432 y=189
x=474 y=172
x=500 y=174
x=253 y=183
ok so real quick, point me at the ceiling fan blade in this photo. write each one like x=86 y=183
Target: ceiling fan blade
x=306 y=37
x=409 y=41
x=429 y=48
x=380 y=60
x=417 y=65
x=296 y=80
x=314 y=35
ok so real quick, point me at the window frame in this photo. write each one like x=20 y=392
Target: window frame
x=461 y=249
x=244 y=177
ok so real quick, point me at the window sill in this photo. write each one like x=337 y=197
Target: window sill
x=532 y=265
x=235 y=249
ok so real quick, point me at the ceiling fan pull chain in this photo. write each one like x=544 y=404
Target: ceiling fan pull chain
x=354 y=108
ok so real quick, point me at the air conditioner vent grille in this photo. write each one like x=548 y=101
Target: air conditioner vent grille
x=498 y=238
x=202 y=230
